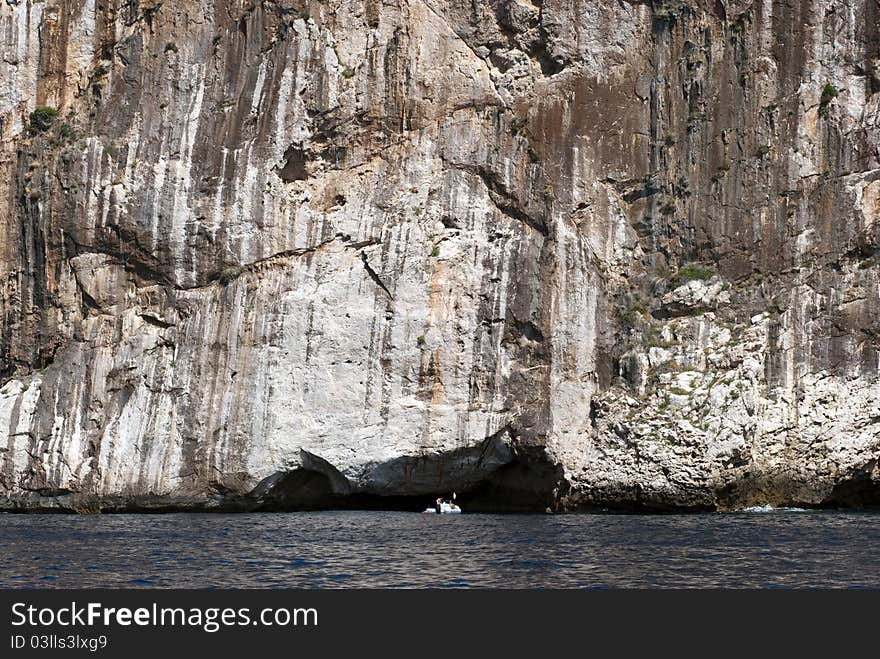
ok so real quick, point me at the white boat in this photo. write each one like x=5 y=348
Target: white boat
x=445 y=509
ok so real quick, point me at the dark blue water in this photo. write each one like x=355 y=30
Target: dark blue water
x=408 y=550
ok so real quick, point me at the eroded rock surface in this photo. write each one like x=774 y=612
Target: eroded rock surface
x=552 y=254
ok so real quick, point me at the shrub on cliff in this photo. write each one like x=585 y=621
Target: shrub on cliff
x=829 y=93
x=630 y=315
x=229 y=275
x=67 y=131
x=669 y=10
x=691 y=272
x=42 y=118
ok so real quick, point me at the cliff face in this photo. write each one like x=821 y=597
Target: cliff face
x=562 y=253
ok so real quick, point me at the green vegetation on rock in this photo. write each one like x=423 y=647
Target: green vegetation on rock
x=67 y=131
x=630 y=315
x=41 y=119
x=229 y=275
x=829 y=93
x=669 y=10
x=691 y=272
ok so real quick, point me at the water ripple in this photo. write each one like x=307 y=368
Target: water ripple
x=773 y=549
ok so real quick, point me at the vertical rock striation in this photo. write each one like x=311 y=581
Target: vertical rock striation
x=565 y=253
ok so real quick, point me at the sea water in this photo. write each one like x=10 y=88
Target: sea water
x=775 y=548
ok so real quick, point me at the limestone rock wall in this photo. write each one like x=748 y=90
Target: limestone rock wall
x=554 y=254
